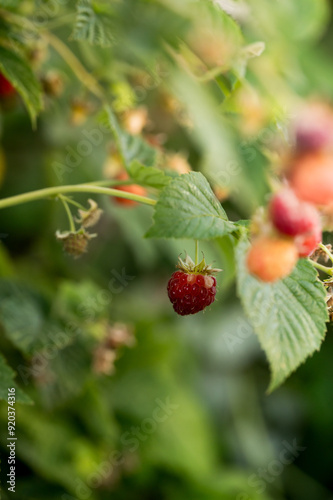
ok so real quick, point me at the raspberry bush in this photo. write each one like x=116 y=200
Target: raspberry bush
x=152 y=126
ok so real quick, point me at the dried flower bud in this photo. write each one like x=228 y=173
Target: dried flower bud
x=103 y=360
x=91 y=216
x=134 y=120
x=75 y=243
x=52 y=83
x=119 y=335
x=80 y=110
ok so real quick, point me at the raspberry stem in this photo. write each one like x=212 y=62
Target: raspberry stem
x=68 y=212
x=325 y=269
x=77 y=188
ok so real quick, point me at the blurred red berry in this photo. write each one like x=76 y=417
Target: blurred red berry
x=6 y=88
x=130 y=188
x=314 y=127
x=292 y=216
x=307 y=243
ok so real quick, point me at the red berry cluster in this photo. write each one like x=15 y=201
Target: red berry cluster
x=293 y=226
x=192 y=288
x=191 y=293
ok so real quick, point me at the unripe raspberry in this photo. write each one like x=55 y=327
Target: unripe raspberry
x=311 y=177
x=130 y=188
x=292 y=216
x=271 y=258
x=75 y=243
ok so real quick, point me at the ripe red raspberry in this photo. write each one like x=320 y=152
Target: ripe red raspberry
x=311 y=177
x=6 y=88
x=192 y=288
x=292 y=216
x=271 y=258
x=307 y=243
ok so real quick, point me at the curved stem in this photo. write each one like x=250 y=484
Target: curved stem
x=113 y=182
x=327 y=270
x=68 y=212
x=72 y=202
x=78 y=188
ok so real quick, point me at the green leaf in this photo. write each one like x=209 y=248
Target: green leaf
x=135 y=148
x=7 y=381
x=188 y=208
x=22 y=320
x=149 y=176
x=18 y=72
x=93 y=26
x=288 y=316
x=131 y=147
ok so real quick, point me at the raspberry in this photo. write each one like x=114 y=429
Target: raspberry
x=307 y=243
x=131 y=188
x=311 y=177
x=271 y=258
x=314 y=127
x=6 y=88
x=75 y=243
x=192 y=288
x=292 y=216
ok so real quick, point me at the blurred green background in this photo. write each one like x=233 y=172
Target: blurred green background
x=121 y=398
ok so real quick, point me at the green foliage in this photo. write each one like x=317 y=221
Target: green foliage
x=93 y=25
x=187 y=208
x=7 y=376
x=19 y=73
x=219 y=90
x=289 y=316
x=149 y=176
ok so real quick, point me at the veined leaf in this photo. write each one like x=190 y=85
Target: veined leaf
x=92 y=26
x=149 y=176
x=288 y=316
x=188 y=208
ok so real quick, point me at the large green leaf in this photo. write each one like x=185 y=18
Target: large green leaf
x=288 y=316
x=188 y=208
x=19 y=73
x=7 y=381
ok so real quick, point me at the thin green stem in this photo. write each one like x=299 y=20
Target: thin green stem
x=72 y=202
x=78 y=188
x=326 y=250
x=113 y=182
x=327 y=270
x=196 y=252
x=68 y=212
